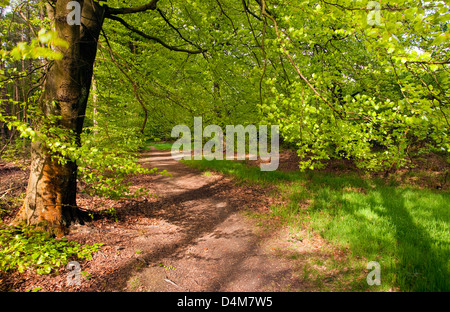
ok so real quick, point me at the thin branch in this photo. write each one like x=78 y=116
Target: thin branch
x=25 y=74
x=137 y=87
x=28 y=23
x=387 y=8
x=431 y=93
x=9 y=141
x=174 y=28
x=263 y=49
x=428 y=63
x=144 y=35
x=264 y=12
x=251 y=28
x=226 y=15
x=146 y=7
x=247 y=10
x=399 y=82
x=133 y=83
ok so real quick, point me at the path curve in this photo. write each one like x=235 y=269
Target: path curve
x=204 y=242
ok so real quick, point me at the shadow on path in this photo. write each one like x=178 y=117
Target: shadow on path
x=201 y=236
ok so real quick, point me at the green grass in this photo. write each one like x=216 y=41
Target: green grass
x=405 y=229
x=164 y=146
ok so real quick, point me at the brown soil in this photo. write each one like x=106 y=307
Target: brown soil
x=192 y=236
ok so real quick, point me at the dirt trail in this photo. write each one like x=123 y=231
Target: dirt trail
x=193 y=236
x=200 y=240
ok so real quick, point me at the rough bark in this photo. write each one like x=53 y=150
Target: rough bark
x=51 y=194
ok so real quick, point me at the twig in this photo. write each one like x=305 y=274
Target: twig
x=170 y=282
x=7 y=191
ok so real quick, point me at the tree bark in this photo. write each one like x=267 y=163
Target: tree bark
x=51 y=193
x=94 y=104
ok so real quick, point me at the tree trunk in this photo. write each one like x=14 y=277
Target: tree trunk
x=51 y=193
x=3 y=106
x=94 y=104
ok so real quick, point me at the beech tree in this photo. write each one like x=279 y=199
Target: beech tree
x=51 y=193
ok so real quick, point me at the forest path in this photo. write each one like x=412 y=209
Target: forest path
x=201 y=240
x=197 y=233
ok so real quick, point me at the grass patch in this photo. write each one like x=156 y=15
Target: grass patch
x=405 y=229
x=241 y=172
x=164 y=146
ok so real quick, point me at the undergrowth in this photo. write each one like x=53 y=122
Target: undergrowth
x=27 y=248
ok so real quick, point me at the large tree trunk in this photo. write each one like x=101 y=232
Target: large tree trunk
x=51 y=194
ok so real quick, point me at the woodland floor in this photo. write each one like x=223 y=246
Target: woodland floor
x=193 y=234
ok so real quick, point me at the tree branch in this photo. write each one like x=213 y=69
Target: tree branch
x=387 y=8
x=133 y=83
x=226 y=15
x=173 y=27
x=244 y=3
x=142 y=34
x=429 y=63
x=146 y=7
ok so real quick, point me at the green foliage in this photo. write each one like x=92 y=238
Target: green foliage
x=111 y=212
x=35 y=49
x=38 y=47
x=25 y=248
x=376 y=94
x=175 y=86
x=338 y=86
x=103 y=166
x=405 y=229
x=104 y=171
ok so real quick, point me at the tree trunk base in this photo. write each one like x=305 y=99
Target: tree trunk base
x=67 y=216
x=50 y=201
